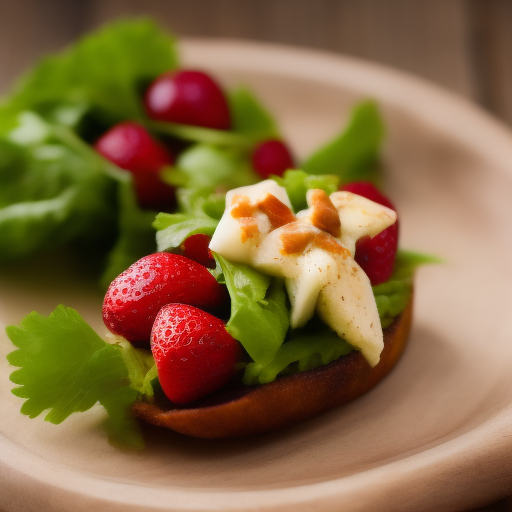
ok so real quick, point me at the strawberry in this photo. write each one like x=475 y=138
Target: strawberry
x=376 y=256
x=271 y=157
x=194 y=353
x=131 y=147
x=195 y=247
x=134 y=298
x=188 y=97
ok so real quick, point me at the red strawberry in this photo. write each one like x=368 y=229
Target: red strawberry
x=194 y=353
x=272 y=157
x=376 y=255
x=195 y=247
x=134 y=298
x=188 y=97
x=131 y=147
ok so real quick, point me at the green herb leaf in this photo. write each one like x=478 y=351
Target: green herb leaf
x=179 y=226
x=65 y=367
x=259 y=314
x=204 y=165
x=51 y=192
x=353 y=154
x=249 y=116
x=297 y=183
x=393 y=295
x=104 y=70
x=307 y=349
x=136 y=236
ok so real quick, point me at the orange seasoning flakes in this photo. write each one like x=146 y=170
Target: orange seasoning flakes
x=277 y=212
x=295 y=240
x=324 y=214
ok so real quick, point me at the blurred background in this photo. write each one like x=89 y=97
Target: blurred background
x=462 y=45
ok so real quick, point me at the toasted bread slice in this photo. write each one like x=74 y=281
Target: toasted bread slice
x=240 y=410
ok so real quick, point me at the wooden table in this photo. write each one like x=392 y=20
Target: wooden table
x=462 y=45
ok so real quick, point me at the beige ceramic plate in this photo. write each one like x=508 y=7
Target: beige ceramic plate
x=435 y=435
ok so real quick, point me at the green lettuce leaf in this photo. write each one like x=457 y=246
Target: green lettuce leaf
x=393 y=295
x=353 y=154
x=105 y=70
x=65 y=367
x=259 y=313
x=135 y=237
x=297 y=183
x=200 y=211
x=205 y=165
x=51 y=194
x=307 y=349
x=249 y=116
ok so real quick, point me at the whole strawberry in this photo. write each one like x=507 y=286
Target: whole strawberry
x=195 y=247
x=194 y=353
x=272 y=157
x=134 y=298
x=376 y=256
x=130 y=146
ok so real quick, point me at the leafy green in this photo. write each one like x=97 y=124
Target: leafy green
x=135 y=236
x=305 y=350
x=249 y=116
x=392 y=296
x=259 y=313
x=200 y=211
x=104 y=71
x=51 y=194
x=220 y=138
x=65 y=367
x=204 y=165
x=297 y=183
x=353 y=154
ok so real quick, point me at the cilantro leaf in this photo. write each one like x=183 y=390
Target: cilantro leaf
x=65 y=367
x=353 y=154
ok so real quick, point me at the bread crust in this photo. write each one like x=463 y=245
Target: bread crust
x=242 y=410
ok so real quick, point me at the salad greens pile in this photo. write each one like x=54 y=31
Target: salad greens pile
x=56 y=190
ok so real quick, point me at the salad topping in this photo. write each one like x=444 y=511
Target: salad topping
x=313 y=251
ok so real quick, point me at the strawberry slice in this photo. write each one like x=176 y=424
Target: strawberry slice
x=134 y=298
x=194 y=353
x=376 y=256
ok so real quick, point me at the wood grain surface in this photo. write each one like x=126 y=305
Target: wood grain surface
x=462 y=45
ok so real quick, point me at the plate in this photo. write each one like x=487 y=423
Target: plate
x=435 y=435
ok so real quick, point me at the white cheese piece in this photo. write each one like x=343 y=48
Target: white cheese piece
x=227 y=239
x=360 y=217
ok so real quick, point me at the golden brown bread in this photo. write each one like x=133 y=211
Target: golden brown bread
x=240 y=410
